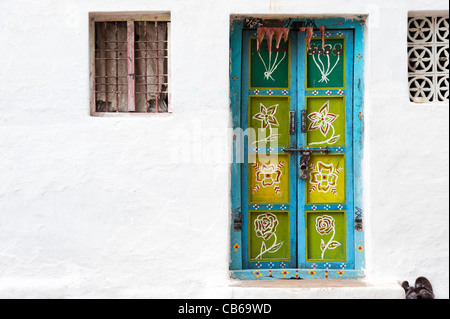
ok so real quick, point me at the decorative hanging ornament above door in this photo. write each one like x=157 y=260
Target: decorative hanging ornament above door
x=283 y=33
x=310 y=33
x=280 y=33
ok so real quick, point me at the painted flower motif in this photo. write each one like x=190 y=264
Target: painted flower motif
x=236 y=247
x=269 y=207
x=340 y=207
x=313 y=49
x=322 y=120
x=268 y=175
x=255 y=206
x=340 y=92
x=324 y=178
x=327 y=207
x=265 y=228
x=256 y=91
x=314 y=207
x=283 y=207
x=340 y=273
x=324 y=224
x=315 y=92
x=328 y=92
x=266 y=225
x=284 y=273
x=270 y=92
x=257 y=273
x=285 y=92
x=311 y=272
x=360 y=248
x=266 y=115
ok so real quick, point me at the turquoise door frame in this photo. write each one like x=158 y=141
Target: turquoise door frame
x=298 y=265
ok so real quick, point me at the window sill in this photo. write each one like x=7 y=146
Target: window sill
x=124 y=114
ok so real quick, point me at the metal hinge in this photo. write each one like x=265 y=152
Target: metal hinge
x=237 y=221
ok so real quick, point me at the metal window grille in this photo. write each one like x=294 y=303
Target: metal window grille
x=428 y=58
x=131 y=66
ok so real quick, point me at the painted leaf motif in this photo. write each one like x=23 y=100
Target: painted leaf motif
x=333 y=140
x=333 y=245
x=276 y=248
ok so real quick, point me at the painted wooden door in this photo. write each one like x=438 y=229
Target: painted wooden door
x=270 y=191
x=325 y=198
x=291 y=224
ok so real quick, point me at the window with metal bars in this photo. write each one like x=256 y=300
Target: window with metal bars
x=130 y=65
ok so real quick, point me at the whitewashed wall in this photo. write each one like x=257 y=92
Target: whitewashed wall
x=112 y=207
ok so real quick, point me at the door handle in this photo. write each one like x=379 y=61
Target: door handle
x=292 y=123
x=303 y=124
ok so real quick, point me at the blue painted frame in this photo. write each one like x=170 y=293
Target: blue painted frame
x=238 y=270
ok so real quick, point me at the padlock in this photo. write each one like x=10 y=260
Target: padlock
x=304 y=161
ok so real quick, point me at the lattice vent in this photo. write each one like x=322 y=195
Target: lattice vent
x=428 y=59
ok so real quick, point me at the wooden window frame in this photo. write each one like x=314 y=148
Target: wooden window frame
x=130 y=18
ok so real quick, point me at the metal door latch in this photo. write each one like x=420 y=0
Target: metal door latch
x=307 y=150
x=303 y=172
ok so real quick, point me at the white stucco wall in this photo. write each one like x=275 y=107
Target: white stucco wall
x=99 y=207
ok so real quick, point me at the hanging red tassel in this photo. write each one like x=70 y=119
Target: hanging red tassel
x=322 y=35
x=280 y=33
x=268 y=32
x=309 y=34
